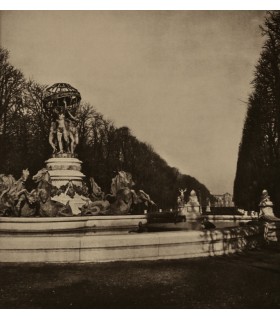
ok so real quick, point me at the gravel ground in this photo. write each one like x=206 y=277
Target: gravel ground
x=247 y=280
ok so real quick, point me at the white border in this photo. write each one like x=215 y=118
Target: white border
x=139 y=5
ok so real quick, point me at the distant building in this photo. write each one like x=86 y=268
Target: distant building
x=223 y=200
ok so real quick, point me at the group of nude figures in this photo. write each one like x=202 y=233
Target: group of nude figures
x=63 y=136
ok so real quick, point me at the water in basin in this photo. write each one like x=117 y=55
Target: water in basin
x=189 y=225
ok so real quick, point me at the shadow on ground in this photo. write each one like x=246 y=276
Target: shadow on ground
x=247 y=280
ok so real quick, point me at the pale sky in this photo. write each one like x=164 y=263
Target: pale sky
x=177 y=79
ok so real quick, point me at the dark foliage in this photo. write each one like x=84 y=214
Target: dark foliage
x=258 y=164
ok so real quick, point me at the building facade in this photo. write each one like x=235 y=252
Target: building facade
x=223 y=200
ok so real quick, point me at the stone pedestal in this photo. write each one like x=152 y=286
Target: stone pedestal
x=267 y=211
x=65 y=169
x=192 y=208
x=191 y=212
x=266 y=205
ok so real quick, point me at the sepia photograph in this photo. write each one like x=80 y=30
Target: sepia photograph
x=139 y=159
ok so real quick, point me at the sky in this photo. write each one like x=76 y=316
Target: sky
x=178 y=79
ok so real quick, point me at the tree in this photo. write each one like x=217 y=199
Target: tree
x=11 y=86
x=258 y=165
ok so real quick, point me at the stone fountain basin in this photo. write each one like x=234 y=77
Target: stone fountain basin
x=71 y=224
x=18 y=243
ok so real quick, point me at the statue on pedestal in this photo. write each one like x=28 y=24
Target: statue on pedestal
x=266 y=205
x=193 y=205
x=267 y=215
x=61 y=101
x=191 y=209
x=208 y=207
x=181 y=199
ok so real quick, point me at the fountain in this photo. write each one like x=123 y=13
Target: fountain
x=61 y=221
x=61 y=101
x=192 y=209
x=61 y=189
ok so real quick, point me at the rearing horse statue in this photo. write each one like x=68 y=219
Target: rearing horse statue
x=11 y=196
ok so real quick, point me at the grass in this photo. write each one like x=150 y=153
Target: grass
x=249 y=280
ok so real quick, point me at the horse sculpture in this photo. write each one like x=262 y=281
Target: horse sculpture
x=29 y=205
x=122 y=200
x=122 y=180
x=97 y=193
x=95 y=203
x=52 y=208
x=16 y=200
x=11 y=196
x=6 y=182
x=45 y=190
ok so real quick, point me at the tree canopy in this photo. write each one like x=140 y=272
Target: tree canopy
x=258 y=165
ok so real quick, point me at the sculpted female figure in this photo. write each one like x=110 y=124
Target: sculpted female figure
x=63 y=132
x=72 y=131
x=61 y=101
